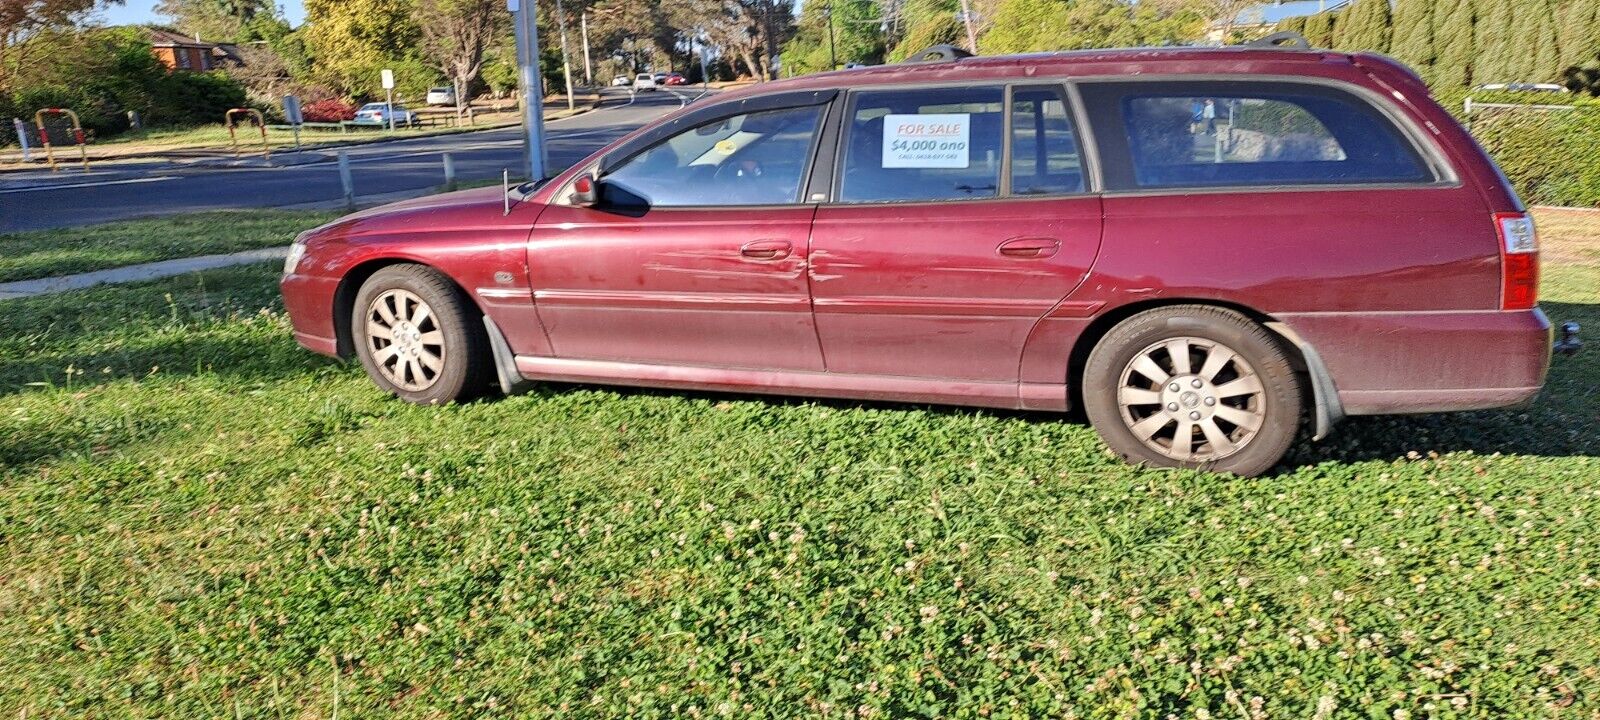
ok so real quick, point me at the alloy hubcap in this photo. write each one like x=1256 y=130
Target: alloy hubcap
x=404 y=338
x=1191 y=399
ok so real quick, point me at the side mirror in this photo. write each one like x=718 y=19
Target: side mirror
x=585 y=191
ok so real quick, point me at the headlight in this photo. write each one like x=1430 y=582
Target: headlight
x=296 y=252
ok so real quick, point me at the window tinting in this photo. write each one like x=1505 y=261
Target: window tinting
x=752 y=159
x=1229 y=134
x=932 y=144
x=1044 y=147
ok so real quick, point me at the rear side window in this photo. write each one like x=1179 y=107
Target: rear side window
x=1044 y=146
x=1222 y=134
x=930 y=144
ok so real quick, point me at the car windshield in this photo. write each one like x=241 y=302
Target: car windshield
x=440 y=90
x=645 y=77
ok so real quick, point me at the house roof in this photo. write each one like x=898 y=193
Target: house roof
x=162 y=37
x=1273 y=13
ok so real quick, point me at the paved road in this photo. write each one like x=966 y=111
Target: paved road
x=37 y=201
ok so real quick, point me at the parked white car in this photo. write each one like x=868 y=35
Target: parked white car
x=643 y=82
x=621 y=81
x=377 y=114
x=442 y=96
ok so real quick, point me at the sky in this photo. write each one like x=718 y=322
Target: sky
x=133 y=12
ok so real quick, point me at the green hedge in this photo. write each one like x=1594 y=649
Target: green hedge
x=1552 y=157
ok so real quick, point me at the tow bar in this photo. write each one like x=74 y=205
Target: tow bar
x=1569 y=344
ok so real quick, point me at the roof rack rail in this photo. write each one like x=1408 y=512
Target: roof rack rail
x=938 y=53
x=1283 y=40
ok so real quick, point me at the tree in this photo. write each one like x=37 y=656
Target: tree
x=350 y=41
x=1579 y=34
x=927 y=23
x=856 y=36
x=1493 y=43
x=23 y=20
x=1533 y=26
x=1038 y=25
x=1364 y=26
x=455 y=34
x=1413 y=35
x=1456 y=44
x=215 y=19
x=1319 y=29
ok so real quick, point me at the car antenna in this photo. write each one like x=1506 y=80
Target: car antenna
x=505 y=189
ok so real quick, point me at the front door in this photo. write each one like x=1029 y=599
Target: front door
x=937 y=256
x=695 y=254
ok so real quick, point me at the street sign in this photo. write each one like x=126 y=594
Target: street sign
x=388 y=79
x=291 y=110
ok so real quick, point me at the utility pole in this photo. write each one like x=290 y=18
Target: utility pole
x=827 y=12
x=972 y=35
x=566 y=61
x=527 y=31
x=588 y=69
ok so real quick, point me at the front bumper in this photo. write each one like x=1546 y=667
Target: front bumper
x=309 y=301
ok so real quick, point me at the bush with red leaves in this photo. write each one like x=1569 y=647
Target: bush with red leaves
x=329 y=110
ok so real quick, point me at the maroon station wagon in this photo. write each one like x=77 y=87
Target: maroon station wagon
x=1192 y=246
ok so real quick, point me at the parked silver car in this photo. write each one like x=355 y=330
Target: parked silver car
x=377 y=114
x=442 y=96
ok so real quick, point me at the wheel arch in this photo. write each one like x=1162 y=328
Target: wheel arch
x=1327 y=410
x=344 y=297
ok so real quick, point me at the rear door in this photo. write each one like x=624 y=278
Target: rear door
x=960 y=217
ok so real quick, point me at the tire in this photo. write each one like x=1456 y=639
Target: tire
x=441 y=356
x=1234 y=374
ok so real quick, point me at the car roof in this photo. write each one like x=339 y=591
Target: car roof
x=1226 y=60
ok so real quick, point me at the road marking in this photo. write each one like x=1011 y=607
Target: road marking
x=682 y=99
x=103 y=183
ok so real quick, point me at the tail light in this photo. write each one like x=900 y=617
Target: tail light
x=1519 y=261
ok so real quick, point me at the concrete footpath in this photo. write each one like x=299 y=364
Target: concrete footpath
x=182 y=266
x=136 y=273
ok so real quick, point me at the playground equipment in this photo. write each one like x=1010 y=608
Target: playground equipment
x=266 y=149
x=44 y=135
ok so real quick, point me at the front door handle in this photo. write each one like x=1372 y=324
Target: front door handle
x=1030 y=247
x=766 y=249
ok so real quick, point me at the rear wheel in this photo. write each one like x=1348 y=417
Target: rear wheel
x=419 y=338
x=1193 y=386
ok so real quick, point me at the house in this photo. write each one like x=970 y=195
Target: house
x=1261 y=19
x=181 y=52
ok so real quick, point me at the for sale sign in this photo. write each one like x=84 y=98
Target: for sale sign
x=926 y=141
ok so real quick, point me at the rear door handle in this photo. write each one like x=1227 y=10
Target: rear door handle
x=1030 y=247
x=766 y=249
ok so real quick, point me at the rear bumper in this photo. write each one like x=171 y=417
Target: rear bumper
x=309 y=300
x=1387 y=363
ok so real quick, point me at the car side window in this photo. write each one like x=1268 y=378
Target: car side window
x=1044 y=145
x=925 y=144
x=1232 y=134
x=751 y=159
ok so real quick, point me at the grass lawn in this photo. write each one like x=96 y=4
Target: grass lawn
x=47 y=253
x=199 y=520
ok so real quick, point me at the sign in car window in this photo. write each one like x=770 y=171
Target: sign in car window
x=926 y=141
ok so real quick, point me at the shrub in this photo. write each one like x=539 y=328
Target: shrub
x=328 y=110
x=1551 y=157
x=193 y=98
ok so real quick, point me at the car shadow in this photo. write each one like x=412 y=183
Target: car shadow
x=1560 y=422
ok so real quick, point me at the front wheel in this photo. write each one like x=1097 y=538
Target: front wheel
x=1193 y=386
x=418 y=337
